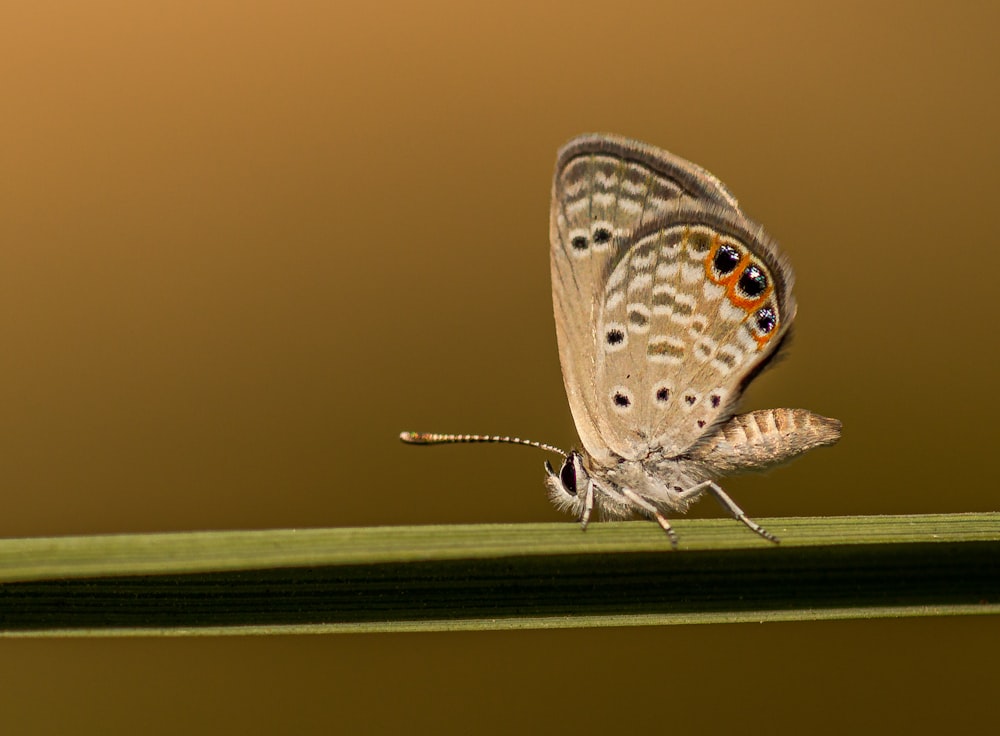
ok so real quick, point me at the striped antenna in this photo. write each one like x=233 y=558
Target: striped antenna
x=430 y=438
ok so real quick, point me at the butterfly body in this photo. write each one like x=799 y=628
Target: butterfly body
x=657 y=483
x=668 y=301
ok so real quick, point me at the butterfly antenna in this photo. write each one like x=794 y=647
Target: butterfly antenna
x=430 y=438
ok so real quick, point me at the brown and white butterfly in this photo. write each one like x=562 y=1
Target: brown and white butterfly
x=668 y=301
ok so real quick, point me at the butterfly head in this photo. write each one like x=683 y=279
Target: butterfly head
x=567 y=488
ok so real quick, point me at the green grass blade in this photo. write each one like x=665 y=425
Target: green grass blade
x=498 y=576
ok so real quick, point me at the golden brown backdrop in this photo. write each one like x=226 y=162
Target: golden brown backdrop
x=242 y=245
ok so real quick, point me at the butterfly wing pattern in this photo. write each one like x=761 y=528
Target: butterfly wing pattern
x=667 y=300
x=650 y=255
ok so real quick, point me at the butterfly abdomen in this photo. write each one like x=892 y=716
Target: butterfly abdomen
x=761 y=439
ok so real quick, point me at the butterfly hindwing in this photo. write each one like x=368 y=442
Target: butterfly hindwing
x=666 y=296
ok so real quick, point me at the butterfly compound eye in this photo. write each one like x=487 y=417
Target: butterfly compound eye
x=568 y=476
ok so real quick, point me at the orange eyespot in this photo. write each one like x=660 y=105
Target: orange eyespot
x=724 y=263
x=763 y=325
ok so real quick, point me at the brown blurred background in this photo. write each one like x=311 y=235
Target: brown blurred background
x=243 y=245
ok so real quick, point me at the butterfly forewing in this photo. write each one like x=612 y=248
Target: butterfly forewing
x=666 y=296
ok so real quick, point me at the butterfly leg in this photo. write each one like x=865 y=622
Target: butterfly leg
x=588 y=505
x=729 y=505
x=660 y=518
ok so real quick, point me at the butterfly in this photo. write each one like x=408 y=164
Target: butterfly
x=668 y=301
